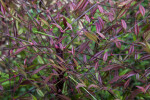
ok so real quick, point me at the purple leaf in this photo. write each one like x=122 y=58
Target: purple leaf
x=96 y=65
x=105 y=57
x=69 y=25
x=32 y=58
x=3 y=10
x=83 y=46
x=58 y=26
x=93 y=85
x=87 y=18
x=101 y=35
x=100 y=9
x=101 y=22
x=136 y=29
x=111 y=67
x=60 y=39
x=147 y=87
x=131 y=49
x=142 y=10
x=19 y=50
x=80 y=85
x=98 y=27
x=126 y=84
x=124 y=25
x=97 y=55
x=39 y=69
x=145 y=57
x=115 y=79
x=142 y=89
x=1 y=87
x=118 y=44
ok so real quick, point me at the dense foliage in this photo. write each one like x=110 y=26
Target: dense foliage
x=74 y=50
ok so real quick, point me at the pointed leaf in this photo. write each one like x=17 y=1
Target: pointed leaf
x=131 y=49
x=141 y=88
x=100 y=9
x=19 y=50
x=142 y=10
x=97 y=55
x=111 y=67
x=105 y=57
x=69 y=25
x=126 y=84
x=80 y=85
x=40 y=93
x=83 y=46
x=87 y=18
x=92 y=37
x=136 y=29
x=93 y=85
x=39 y=69
x=101 y=35
x=124 y=25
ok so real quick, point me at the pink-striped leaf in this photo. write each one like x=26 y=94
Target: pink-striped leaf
x=145 y=57
x=69 y=25
x=118 y=44
x=100 y=9
x=142 y=10
x=105 y=57
x=19 y=50
x=111 y=67
x=142 y=89
x=96 y=65
x=147 y=87
x=72 y=51
x=98 y=27
x=126 y=84
x=131 y=49
x=93 y=85
x=87 y=18
x=3 y=10
x=83 y=46
x=1 y=87
x=39 y=69
x=124 y=25
x=80 y=85
x=115 y=79
x=101 y=35
x=136 y=29
x=97 y=55
x=58 y=26
x=59 y=40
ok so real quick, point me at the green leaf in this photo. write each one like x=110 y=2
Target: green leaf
x=92 y=37
x=40 y=93
x=40 y=60
x=33 y=97
x=123 y=72
x=34 y=30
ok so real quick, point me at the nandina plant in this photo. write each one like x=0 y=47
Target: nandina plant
x=79 y=49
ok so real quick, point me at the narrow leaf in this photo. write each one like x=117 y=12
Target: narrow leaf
x=87 y=18
x=19 y=50
x=100 y=9
x=131 y=49
x=92 y=37
x=141 y=88
x=80 y=85
x=124 y=25
x=105 y=57
x=40 y=93
x=39 y=69
x=142 y=10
